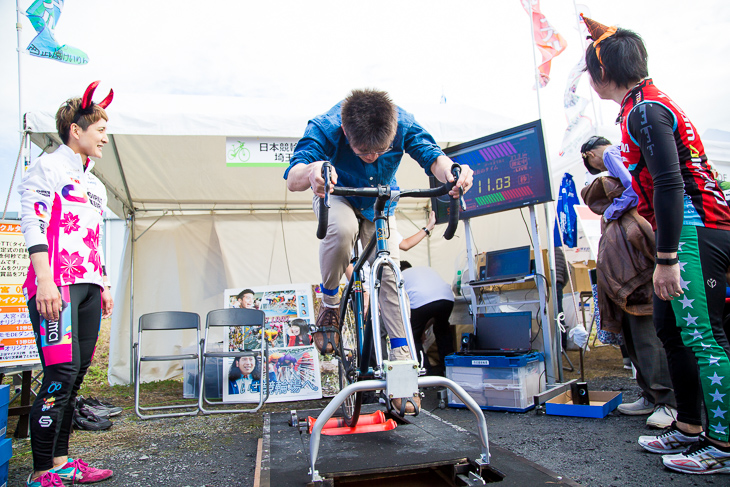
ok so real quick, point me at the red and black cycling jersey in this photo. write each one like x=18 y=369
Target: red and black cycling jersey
x=663 y=151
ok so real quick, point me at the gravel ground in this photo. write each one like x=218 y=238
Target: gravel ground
x=218 y=451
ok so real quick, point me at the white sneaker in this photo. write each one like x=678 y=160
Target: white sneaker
x=662 y=417
x=670 y=441
x=637 y=408
x=701 y=458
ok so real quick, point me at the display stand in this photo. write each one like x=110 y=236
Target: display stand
x=540 y=284
x=26 y=388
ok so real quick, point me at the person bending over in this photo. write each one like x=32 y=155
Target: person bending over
x=364 y=137
x=643 y=347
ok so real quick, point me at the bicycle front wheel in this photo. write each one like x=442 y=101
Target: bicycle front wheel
x=349 y=361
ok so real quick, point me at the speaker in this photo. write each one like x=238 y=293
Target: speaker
x=579 y=391
x=468 y=341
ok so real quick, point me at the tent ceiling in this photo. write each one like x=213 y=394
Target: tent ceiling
x=168 y=152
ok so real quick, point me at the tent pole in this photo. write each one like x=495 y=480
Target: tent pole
x=19 y=29
x=131 y=304
x=551 y=247
x=128 y=203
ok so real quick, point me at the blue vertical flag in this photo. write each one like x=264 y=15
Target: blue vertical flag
x=44 y=14
x=566 y=221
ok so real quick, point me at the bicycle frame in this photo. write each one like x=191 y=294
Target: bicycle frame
x=382 y=259
x=380 y=244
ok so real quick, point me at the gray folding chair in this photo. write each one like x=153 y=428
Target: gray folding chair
x=251 y=322
x=157 y=324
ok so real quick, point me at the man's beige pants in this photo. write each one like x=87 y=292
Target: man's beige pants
x=335 y=252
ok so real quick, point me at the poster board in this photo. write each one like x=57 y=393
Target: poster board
x=17 y=341
x=589 y=235
x=293 y=366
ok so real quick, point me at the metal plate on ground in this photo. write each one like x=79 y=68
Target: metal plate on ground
x=415 y=452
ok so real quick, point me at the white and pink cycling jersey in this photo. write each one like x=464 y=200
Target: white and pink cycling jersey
x=62 y=206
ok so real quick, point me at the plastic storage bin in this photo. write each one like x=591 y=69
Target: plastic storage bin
x=497 y=383
x=6 y=451
x=4 y=403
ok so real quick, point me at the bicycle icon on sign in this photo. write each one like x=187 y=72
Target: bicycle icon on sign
x=239 y=153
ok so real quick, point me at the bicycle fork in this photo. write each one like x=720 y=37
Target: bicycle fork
x=381 y=261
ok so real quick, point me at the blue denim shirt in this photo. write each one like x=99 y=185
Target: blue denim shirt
x=324 y=140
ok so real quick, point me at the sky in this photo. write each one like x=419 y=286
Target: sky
x=476 y=53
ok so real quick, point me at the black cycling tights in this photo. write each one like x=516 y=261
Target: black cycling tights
x=66 y=349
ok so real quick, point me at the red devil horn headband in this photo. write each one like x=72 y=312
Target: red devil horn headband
x=86 y=101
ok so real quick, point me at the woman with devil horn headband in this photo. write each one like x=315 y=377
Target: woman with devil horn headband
x=679 y=196
x=66 y=288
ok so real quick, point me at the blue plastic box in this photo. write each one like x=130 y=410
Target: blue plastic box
x=6 y=451
x=4 y=400
x=497 y=382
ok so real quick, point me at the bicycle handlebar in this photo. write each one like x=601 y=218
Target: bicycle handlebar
x=384 y=192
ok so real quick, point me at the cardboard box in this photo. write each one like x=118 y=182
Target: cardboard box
x=602 y=403
x=579 y=276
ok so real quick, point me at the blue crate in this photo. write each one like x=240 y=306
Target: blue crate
x=4 y=402
x=6 y=451
x=497 y=382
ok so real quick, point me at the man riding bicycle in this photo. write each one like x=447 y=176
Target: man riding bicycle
x=364 y=137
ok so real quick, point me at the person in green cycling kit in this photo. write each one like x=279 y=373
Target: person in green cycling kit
x=364 y=137
x=681 y=199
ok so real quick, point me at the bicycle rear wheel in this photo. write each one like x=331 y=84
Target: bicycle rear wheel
x=349 y=361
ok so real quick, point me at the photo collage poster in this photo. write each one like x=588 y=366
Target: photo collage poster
x=292 y=367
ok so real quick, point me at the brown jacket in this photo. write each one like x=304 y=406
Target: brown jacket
x=625 y=263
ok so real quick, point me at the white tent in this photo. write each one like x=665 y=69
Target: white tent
x=198 y=227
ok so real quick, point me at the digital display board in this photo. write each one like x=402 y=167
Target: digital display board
x=510 y=171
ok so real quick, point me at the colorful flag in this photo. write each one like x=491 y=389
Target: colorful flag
x=547 y=39
x=566 y=220
x=44 y=14
x=580 y=127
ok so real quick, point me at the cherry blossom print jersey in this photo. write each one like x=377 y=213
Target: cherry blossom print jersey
x=62 y=206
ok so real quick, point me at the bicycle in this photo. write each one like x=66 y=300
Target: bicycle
x=239 y=152
x=397 y=378
x=354 y=362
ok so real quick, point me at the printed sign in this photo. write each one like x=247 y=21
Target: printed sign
x=17 y=341
x=259 y=151
x=293 y=366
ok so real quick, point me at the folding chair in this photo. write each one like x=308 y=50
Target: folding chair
x=157 y=323
x=251 y=322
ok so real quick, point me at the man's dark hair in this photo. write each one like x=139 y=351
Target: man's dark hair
x=593 y=142
x=234 y=373
x=623 y=59
x=245 y=291
x=590 y=144
x=370 y=119
x=404 y=264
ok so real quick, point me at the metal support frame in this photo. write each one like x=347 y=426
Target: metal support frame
x=549 y=342
x=375 y=385
x=264 y=383
x=139 y=359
